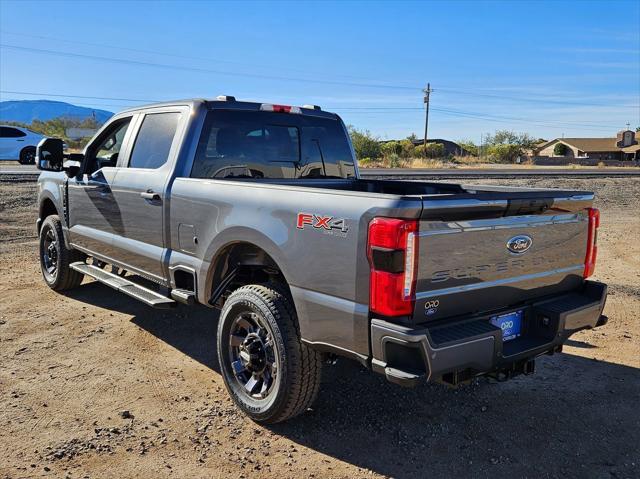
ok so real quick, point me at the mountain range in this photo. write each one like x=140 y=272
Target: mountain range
x=25 y=111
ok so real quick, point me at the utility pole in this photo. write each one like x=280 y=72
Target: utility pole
x=427 y=92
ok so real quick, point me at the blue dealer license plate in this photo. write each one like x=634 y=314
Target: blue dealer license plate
x=510 y=324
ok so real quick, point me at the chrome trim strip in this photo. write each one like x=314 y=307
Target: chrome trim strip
x=462 y=203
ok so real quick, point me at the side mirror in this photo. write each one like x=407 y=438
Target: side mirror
x=72 y=166
x=50 y=154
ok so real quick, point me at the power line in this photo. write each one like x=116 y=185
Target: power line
x=78 y=96
x=487 y=116
x=174 y=55
x=358 y=109
x=536 y=100
x=508 y=120
x=198 y=69
x=530 y=99
x=515 y=118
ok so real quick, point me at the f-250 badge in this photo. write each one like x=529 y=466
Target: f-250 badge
x=327 y=224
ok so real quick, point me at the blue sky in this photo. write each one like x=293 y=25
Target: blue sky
x=546 y=68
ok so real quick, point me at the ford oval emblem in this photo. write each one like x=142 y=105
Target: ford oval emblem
x=519 y=244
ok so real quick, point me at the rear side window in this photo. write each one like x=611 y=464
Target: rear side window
x=154 y=140
x=8 y=132
x=256 y=144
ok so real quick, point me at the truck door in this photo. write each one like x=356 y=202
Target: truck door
x=94 y=215
x=140 y=188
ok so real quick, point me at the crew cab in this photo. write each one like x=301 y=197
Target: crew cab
x=259 y=210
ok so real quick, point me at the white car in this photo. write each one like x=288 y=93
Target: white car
x=18 y=144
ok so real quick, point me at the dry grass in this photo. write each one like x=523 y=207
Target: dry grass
x=429 y=163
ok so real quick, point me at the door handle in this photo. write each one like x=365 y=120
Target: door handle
x=150 y=195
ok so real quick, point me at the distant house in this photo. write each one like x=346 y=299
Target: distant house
x=622 y=148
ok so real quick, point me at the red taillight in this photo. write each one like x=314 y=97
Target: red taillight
x=592 y=242
x=392 y=250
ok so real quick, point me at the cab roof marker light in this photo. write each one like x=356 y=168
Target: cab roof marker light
x=225 y=98
x=280 y=108
x=312 y=107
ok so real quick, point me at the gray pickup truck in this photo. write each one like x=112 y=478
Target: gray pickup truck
x=259 y=210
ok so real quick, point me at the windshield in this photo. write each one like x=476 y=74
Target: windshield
x=258 y=144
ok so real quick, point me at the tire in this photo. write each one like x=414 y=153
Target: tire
x=55 y=257
x=28 y=156
x=269 y=373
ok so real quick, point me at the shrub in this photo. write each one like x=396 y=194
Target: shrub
x=503 y=153
x=391 y=148
x=469 y=146
x=407 y=148
x=393 y=160
x=365 y=144
x=432 y=150
x=560 y=149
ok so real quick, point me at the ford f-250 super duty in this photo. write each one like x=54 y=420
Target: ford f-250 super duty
x=259 y=210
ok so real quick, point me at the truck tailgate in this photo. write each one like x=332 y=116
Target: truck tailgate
x=498 y=253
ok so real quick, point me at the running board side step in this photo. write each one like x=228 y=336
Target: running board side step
x=146 y=295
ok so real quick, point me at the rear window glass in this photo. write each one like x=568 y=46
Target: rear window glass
x=256 y=144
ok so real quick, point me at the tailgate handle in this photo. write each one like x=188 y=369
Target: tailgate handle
x=528 y=206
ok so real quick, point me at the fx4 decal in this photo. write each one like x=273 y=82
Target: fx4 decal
x=326 y=224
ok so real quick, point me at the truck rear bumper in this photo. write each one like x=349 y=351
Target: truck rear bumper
x=456 y=350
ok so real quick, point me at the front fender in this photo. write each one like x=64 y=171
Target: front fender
x=51 y=192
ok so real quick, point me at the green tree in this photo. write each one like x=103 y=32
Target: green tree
x=560 y=149
x=503 y=153
x=505 y=145
x=364 y=144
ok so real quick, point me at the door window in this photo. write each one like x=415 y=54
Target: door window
x=153 y=144
x=8 y=132
x=108 y=148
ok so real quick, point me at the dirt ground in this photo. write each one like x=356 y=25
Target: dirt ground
x=94 y=384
